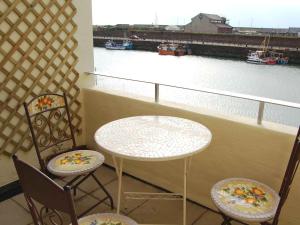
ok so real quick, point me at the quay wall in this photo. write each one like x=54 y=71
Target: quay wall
x=275 y=41
x=226 y=51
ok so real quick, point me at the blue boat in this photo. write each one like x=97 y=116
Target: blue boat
x=126 y=45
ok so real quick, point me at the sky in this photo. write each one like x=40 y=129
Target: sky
x=254 y=13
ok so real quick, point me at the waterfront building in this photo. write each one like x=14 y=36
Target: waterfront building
x=291 y=31
x=294 y=31
x=208 y=23
x=173 y=28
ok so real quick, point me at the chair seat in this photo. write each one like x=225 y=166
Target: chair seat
x=106 y=219
x=75 y=163
x=245 y=199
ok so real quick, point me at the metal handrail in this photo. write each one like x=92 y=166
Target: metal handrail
x=262 y=100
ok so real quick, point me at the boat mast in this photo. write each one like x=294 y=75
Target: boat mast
x=265 y=43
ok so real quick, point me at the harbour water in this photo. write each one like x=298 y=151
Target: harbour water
x=276 y=82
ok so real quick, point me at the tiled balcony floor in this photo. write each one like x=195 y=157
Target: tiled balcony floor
x=14 y=211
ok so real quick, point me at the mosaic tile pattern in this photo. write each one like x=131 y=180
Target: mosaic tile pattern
x=153 y=137
x=75 y=162
x=45 y=103
x=245 y=199
x=106 y=219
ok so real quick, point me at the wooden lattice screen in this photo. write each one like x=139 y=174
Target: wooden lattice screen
x=36 y=55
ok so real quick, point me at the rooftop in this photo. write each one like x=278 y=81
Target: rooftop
x=211 y=16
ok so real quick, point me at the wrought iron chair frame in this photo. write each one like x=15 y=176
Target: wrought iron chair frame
x=40 y=188
x=286 y=183
x=77 y=180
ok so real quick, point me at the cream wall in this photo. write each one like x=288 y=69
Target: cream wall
x=238 y=149
x=84 y=36
x=84 y=52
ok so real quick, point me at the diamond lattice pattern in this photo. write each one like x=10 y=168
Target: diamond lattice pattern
x=36 y=55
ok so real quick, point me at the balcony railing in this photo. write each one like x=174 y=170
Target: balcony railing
x=261 y=100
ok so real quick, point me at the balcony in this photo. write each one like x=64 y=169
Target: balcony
x=240 y=147
x=15 y=211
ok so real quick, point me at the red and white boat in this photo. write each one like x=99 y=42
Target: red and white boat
x=259 y=57
x=173 y=49
x=266 y=56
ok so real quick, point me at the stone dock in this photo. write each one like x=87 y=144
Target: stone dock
x=225 y=46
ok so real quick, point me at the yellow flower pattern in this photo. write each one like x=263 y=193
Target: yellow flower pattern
x=75 y=159
x=248 y=194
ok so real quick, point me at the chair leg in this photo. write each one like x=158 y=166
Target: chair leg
x=72 y=181
x=266 y=223
x=106 y=192
x=226 y=220
x=75 y=186
x=74 y=191
x=79 y=182
x=83 y=179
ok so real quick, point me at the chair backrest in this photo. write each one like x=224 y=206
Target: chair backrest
x=288 y=176
x=40 y=188
x=49 y=121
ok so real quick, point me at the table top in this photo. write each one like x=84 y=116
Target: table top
x=153 y=138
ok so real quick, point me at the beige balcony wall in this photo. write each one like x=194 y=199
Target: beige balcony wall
x=239 y=148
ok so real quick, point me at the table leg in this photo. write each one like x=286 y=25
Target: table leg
x=186 y=167
x=119 y=171
x=184 y=190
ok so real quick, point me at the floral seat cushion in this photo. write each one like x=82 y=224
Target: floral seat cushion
x=75 y=163
x=245 y=199
x=106 y=219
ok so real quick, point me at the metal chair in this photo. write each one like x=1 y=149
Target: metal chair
x=52 y=134
x=37 y=187
x=251 y=201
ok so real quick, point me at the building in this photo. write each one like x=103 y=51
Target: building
x=261 y=31
x=208 y=23
x=174 y=28
x=291 y=31
x=294 y=31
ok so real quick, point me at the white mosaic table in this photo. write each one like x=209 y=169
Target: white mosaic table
x=153 y=138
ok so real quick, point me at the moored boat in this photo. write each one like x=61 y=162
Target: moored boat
x=265 y=56
x=126 y=45
x=173 y=49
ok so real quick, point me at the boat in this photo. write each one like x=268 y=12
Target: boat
x=280 y=58
x=125 y=45
x=174 y=49
x=266 y=56
x=260 y=57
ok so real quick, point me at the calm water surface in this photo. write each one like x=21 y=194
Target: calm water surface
x=276 y=82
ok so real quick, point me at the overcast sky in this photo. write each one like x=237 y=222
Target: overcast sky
x=254 y=13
